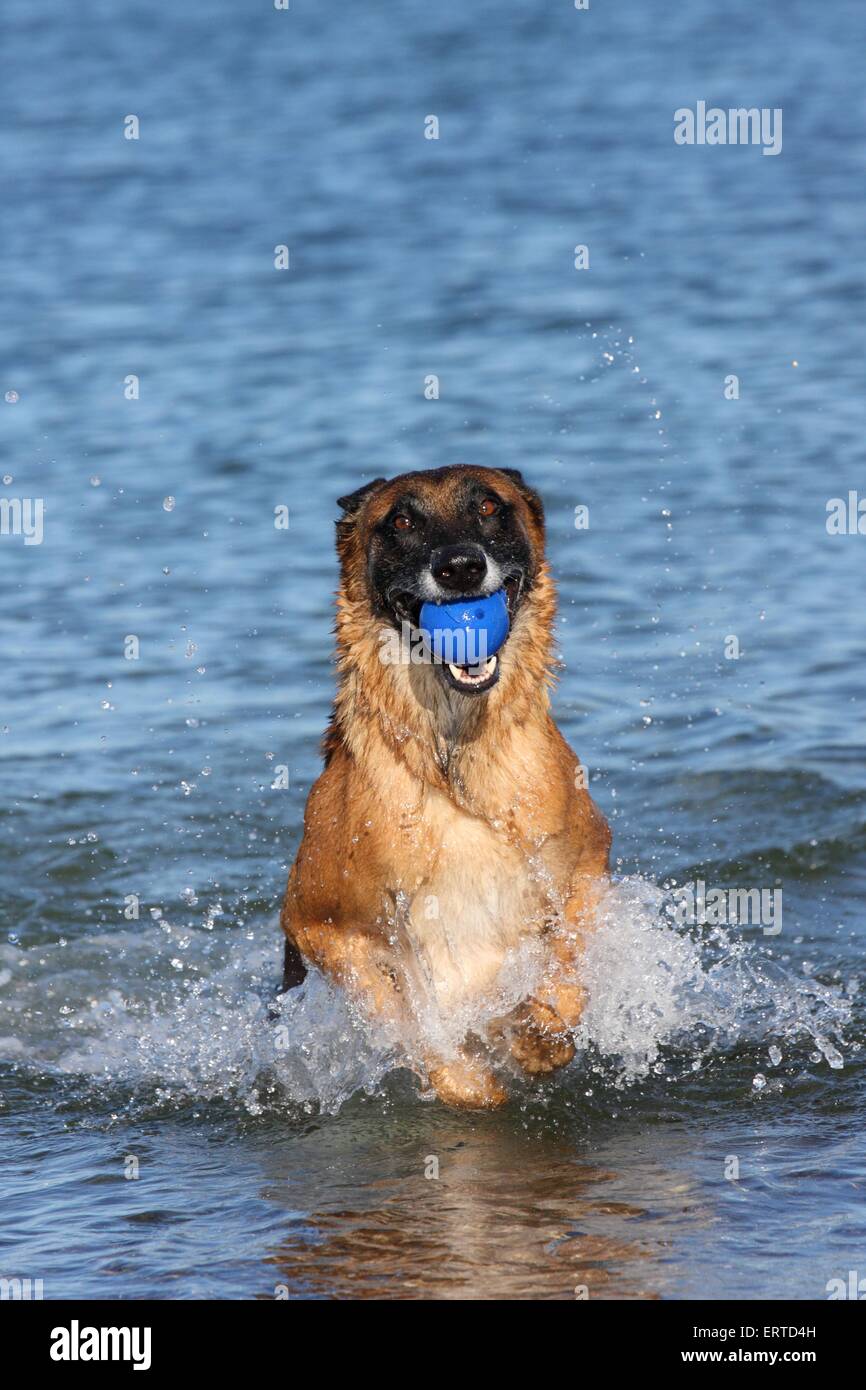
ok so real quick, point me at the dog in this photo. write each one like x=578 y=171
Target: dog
x=451 y=826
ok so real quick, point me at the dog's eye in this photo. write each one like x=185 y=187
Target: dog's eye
x=489 y=507
x=402 y=522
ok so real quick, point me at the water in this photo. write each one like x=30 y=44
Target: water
x=708 y=1139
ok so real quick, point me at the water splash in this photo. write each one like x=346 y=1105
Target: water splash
x=192 y=1011
x=654 y=987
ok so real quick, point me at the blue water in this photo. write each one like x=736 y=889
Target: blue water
x=296 y=1163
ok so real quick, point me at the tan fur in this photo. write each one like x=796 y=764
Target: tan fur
x=471 y=803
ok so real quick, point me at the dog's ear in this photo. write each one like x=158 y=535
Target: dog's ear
x=531 y=497
x=352 y=501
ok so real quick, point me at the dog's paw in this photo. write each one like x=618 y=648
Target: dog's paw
x=539 y=1041
x=467 y=1085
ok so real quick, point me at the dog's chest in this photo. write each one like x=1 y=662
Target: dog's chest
x=480 y=897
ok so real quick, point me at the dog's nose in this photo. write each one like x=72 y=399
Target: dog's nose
x=459 y=568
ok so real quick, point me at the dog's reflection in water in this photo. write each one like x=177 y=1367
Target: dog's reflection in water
x=508 y=1217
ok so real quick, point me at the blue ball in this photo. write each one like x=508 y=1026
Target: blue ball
x=467 y=632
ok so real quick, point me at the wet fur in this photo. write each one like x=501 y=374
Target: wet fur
x=472 y=802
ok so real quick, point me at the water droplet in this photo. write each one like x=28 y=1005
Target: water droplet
x=759 y=1082
x=168 y=504
x=95 y=481
x=12 y=398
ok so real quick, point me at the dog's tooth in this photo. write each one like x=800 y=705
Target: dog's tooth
x=473 y=675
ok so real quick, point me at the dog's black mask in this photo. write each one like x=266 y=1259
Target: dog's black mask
x=450 y=534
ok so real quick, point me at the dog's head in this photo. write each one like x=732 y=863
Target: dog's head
x=440 y=536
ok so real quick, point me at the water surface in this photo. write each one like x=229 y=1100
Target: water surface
x=297 y=1163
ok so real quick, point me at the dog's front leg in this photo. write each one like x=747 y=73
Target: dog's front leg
x=541 y=1027
x=362 y=963
x=466 y=1082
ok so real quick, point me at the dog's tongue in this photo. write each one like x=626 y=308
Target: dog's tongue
x=466 y=632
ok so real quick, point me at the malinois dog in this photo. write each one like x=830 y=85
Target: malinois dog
x=451 y=826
